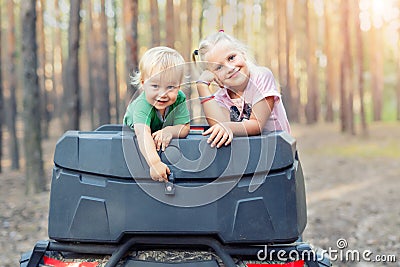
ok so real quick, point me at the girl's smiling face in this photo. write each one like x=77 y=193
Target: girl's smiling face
x=229 y=65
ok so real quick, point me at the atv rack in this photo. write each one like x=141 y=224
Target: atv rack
x=224 y=252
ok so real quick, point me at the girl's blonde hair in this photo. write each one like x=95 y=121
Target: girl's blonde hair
x=210 y=41
x=157 y=60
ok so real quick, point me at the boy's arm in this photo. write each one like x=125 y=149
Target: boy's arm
x=178 y=131
x=158 y=170
x=163 y=137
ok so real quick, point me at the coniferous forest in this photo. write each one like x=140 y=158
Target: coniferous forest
x=70 y=61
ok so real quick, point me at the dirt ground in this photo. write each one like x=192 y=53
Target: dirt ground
x=352 y=184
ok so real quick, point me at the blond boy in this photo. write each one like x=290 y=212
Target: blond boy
x=160 y=112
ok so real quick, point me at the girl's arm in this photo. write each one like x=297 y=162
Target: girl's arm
x=222 y=133
x=259 y=117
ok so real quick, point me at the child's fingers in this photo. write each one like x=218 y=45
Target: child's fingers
x=216 y=133
x=165 y=174
x=158 y=144
x=219 y=139
x=213 y=134
x=220 y=84
x=161 y=177
x=224 y=140
x=229 y=140
x=165 y=143
x=208 y=131
x=155 y=135
x=163 y=146
x=156 y=140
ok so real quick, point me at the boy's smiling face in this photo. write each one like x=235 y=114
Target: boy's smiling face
x=161 y=90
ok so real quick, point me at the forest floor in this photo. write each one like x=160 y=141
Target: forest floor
x=352 y=187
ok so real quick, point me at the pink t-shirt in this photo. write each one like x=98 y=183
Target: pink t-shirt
x=261 y=85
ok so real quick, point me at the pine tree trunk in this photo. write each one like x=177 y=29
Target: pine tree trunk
x=291 y=89
x=186 y=20
x=360 y=64
x=41 y=70
x=201 y=19
x=32 y=131
x=96 y=55
x=71 y=72
x=170 y=25
x=344 y=113
x=350 y=76
x=343 y=99
x=272 y=44
x=57 y=64
x=114 y=65
x=102 y=88
x=346 y=90
x=131 y=13
x=297 y=18
x=312 y=68
x=330 y=79
x=11 y=103
x=377 y=72
x=280 y=13
x=155 y=23
x=91 y=65
x=177 y=27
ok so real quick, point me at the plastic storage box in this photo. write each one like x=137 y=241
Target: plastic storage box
x=251 y=192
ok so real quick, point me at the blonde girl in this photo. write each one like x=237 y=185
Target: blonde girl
x=248 y=101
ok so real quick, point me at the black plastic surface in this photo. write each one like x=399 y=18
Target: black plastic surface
x=105 y=153
x=95 y=199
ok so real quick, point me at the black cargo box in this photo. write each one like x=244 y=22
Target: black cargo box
x=249 y=192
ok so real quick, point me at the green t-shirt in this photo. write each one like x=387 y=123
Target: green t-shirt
x=140 y=111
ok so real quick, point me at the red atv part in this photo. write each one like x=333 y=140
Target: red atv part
x=56 y=263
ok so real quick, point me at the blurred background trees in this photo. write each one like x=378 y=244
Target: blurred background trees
x=336 y=61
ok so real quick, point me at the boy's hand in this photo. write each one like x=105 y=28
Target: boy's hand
x=219 y=135
x=162 y=138
x=159 y=172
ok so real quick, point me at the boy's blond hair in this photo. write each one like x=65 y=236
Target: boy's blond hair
x=157 y=60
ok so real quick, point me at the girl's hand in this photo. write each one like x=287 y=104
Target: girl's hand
x=159 y=172
x=210 y=77
x=161 y=139
x=220 y=134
